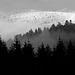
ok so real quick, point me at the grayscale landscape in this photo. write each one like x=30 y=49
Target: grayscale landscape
x=37 y=37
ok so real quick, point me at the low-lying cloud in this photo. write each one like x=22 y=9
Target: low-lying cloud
x=22 y=23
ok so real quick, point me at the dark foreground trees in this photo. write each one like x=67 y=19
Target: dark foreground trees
x=3 y=48
x=45 y=61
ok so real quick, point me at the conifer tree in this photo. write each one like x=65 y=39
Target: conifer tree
x=48 y=51
x=60 y=49
x=59 y=56
x=3 y=48
x=28 y=50
x=41 y=51
x=70 y=50
x=16 y=48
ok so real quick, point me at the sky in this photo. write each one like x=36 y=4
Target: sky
x=15 y=6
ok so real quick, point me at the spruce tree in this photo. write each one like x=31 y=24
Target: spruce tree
x=70 y=50
x=28 y=50
x=60 y=49
x=3 y=48
x=16 y=48
x=41 y=52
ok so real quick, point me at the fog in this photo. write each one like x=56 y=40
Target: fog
x=22 y=23
x=9 y=30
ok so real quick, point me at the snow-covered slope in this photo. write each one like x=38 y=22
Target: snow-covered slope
x=39 y=16
x=11 y=25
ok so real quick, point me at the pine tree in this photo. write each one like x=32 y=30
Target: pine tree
x=24 y=48
x=16 y=48
x=3 y=48
x=36 y=32
x=39 y=30
x=70 y=50
x=42 y=51
x=48 y=51
x=31 y=33
x=28 y=50
x=60 y=49
x=70 y=63
x=59 y=56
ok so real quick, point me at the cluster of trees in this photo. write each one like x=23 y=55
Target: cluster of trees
x=67 y=27
x=47 y=60
x=31 y=33
x=59 y=59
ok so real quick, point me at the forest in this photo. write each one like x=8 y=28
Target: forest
x=23 y=59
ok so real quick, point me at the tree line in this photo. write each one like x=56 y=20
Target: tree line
x=47 y=60
x=68 y=27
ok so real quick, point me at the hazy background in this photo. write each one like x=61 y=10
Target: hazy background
x=15 y=6
x=20 y=6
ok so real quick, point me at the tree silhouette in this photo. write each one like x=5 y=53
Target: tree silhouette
x=24 y=48
x=70 y=57
x=45 y=59
x=39 y=30
x=41 y=51
x=59 y=56
x=70 y=50
x=48 y=51
x=28 y=56
x=28 y=50
x=71 y=22
x=16 y=48
x=52 y=28
x=36 y=31
x=60 y=49
x=3 y=48
x=66 y=23
x=31 y=33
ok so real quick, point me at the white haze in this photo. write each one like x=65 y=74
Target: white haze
x=10 y=25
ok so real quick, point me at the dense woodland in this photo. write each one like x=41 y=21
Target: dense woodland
x=60 y=59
